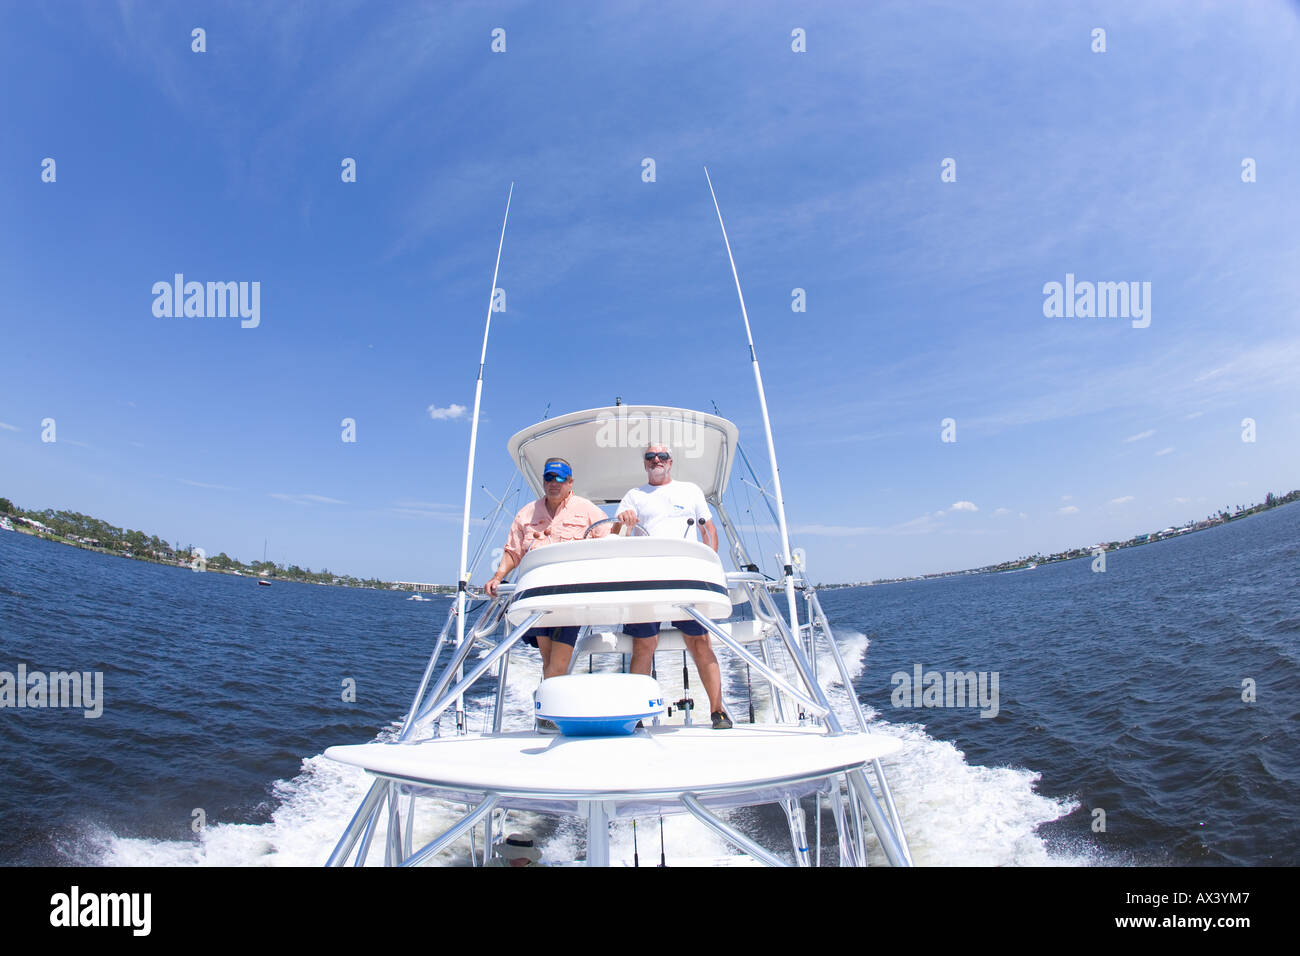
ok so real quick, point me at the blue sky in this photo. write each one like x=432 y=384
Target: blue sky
x=924 y=298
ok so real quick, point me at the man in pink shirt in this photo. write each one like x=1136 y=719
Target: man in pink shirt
x=559 y=516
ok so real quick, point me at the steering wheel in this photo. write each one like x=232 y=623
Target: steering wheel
x=637 y=528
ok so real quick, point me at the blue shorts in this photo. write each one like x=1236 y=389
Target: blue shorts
x=561 y=635
x=689 y=628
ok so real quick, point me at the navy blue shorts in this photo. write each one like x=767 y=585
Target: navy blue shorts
x=689 y=628
x=561 y=635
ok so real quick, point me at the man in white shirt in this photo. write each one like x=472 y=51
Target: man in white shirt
x=669 y=509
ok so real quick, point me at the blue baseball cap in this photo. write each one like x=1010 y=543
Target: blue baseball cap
x=559 y=469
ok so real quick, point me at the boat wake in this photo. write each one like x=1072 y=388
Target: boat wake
x=953 y=813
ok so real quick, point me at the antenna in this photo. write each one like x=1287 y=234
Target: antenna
x=462 y=582
x=788 y=571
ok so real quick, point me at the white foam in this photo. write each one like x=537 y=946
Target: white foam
x=952 y=812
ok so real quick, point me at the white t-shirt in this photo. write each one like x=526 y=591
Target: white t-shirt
x=663 y=509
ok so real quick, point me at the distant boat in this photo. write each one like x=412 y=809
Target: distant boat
x=418 y=597
x=264 y=584
x=6 y=524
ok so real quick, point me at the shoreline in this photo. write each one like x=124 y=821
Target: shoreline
x=307 y=576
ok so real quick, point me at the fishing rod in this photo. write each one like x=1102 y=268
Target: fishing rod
x=788 y=570
x=462 y=582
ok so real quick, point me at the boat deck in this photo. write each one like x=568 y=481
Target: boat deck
x=654 y=765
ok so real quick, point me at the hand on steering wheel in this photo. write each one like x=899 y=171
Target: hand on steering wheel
x=636 y=528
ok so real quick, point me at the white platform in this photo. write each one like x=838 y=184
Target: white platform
x=662 y=762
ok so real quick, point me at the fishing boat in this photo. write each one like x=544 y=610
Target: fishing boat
x=625 y=749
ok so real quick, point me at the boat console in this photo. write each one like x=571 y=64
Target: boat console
x=617 y=581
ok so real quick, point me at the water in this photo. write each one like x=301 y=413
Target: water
x=1119 y=691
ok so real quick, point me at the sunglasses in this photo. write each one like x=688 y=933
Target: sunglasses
x=660 y=455
x=552 y=476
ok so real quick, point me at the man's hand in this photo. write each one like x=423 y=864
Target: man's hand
x=491 y=586
x=627 y=518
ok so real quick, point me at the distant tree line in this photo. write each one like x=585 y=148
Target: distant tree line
x=86 y=531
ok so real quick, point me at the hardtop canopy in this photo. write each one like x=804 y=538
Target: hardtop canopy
x=605 y=446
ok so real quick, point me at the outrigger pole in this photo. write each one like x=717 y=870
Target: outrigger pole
x=788 y=570
x=463 y=581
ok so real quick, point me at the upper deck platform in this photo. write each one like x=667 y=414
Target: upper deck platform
x=658 y=763
x=604 y=446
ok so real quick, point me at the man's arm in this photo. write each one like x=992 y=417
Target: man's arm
x=513 y=553
x=508 y=563
x=704 y=521
x=625 y=514
x=709 y=533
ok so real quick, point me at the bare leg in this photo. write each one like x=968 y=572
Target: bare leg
x=544 y=645
x=643 y=654
x=557 y=664
x=707 y=666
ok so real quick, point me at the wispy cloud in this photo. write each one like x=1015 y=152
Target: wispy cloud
x=1141 y=435
x=204 y=484
x=307 y=499
x=426 y=505
x=432 y=515
x=9 y=428
x=1122 y=501
x=1164 y=451
x=964 y=506
x=451 y=411
x=1067 y=510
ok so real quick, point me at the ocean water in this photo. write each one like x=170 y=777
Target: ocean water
x=1119 y=692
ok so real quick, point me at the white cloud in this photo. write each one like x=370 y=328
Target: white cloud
x=998 y=512
x=204 y=484
x=9 y=428
x=964 y=506
x=451 y=411
x=308 y=499
x=1068 y=510
x=1141 y=435
x=1164 y=451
